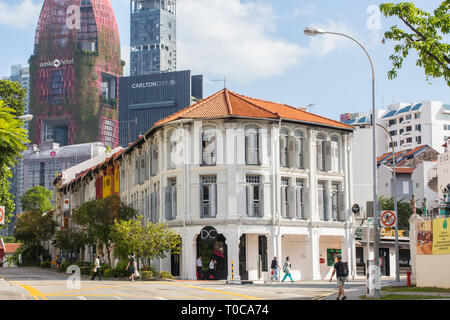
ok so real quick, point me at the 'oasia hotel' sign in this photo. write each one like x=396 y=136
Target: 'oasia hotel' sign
x=153 y=84
x=55 y=63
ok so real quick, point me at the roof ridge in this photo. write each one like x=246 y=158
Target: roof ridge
x=297 y=109
x=227 y=100
x=259 y=107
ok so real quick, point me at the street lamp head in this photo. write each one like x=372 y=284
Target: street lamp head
x=313 y=31
x=26 y=117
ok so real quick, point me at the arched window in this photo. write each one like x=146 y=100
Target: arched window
x=209 y=148
x=252 y=145
x=154 y=154
x=299 y=149
x=335 y=155
x=320 y=152
x=284 y=148
x=174 y=148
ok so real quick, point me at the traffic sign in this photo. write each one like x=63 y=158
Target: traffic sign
x=2 y=215
x=388 y=218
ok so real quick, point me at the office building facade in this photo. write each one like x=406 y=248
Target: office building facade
x=146 y=99
x=153 y=36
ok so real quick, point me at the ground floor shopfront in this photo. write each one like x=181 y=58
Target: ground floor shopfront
x=244 y=252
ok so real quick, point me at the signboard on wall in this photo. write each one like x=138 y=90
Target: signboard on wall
x=331 y=256
x=424 y=237
x=441 y=236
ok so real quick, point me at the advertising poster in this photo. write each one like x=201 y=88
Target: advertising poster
x=331 y=256
x=425 y=238
x=441 y=236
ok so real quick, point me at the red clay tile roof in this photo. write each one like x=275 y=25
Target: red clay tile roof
x=226 y=103
x=11 y=247
x=402 y=170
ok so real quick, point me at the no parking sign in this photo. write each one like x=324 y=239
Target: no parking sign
x=388 y=218
x=2 y=215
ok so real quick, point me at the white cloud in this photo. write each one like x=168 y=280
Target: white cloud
x=232 y=39
x=322 y=45
x=22 y=15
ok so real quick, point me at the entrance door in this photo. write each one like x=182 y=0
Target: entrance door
x=384 y=255
x=242 y=258
x=175 y=262
x=216 y=250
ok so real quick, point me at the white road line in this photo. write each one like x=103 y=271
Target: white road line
x=118 y=298
x=161 y=298
x=82 y=298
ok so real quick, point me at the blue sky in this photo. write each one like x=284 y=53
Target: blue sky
x=260 y=48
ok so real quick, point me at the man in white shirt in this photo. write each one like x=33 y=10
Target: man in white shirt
x=97 y=271
x=199 y=268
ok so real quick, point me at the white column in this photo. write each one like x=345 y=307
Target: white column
x=220 y=145
x=240 y=145
x=230 y=160
x=232 y=240
x=413 y=221
x=312 y=195
x=188 y=255
x=313 y=254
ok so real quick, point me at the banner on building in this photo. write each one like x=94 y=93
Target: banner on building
x=425 y=237
x=441 y=236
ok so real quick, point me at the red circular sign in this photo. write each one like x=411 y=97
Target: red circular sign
x=2 y=215
x=53 y=153
x=388 y=218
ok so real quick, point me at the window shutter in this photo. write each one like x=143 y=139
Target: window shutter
x=168 y=202
x=136 y=172
x=305 y=208
x=201 y=201
x=157 y=205
x=147 y=166
x=341 y=207
x=326 y=199
x=213 y=195
x=282 y=153
x=152 y=207
x=291 y=202
x=320 y=201
x=142 y=172
x=319 y=155
x=305 y=153
x=328 y=156
x=174 y=202
x=247 y=149
x=298 y=202
x=261 y=199
x=335 y=156
x=283 y=201
x=249 y=199
x=292 y=150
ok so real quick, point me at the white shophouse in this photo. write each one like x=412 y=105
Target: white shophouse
x=243 y=180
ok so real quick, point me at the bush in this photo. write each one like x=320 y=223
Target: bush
x=120 y=271
x=63 y=266
x=42 y=265
x=85 y=270
x=146 y=275
x=103 y=267
x=165 y=275
x=108 y=273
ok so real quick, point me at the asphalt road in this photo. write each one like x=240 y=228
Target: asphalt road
x=39 y=284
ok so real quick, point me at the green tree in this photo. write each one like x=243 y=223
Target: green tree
x=71 y=240
x=34 y=227
x=150 y=241
x=403 y=207
x=37 y=198
x=424 y=35
x=13 y=95
x=6 y=198
x=96 y=219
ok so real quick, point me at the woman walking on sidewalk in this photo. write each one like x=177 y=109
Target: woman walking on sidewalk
x=287 y=270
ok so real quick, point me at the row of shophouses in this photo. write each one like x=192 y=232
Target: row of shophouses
x=239 y=179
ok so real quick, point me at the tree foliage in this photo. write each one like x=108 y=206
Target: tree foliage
x=424 y=34
x=150 y=241
x=71 y=240
x=6 y=199
x=96 y=218
x=403 y=207
x=13 y=95
x=37 y=198
x=34 y=227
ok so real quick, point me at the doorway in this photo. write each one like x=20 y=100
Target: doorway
x=385 y=262
x=217 y=250
x=242 y=258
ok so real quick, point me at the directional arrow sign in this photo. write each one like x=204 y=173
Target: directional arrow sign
x=388 y=218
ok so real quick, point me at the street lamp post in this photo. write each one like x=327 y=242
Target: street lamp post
x=313 y=31
x=397 y=255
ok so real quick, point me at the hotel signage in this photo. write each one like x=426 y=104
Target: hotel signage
x=56 y=63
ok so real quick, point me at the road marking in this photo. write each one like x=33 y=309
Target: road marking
x=82 y=298
x=31 y=290
x=323 y=296
x=161 y=298
x=213 y=290
x=118 y=298
x=84 y=289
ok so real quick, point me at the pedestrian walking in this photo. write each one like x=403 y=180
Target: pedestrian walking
x=132 y=267
x=287 y=270
x=58 y=262
x=341 y=270
x=103 y=259
x=199 y=268
x=211 y=269
x=97 y=271
x=275 y=270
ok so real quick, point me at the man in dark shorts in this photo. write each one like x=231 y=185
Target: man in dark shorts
x=341 y=278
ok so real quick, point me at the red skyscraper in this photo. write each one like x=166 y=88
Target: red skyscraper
x=75 y=72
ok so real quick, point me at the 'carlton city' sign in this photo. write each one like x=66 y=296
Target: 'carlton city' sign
x=55 y=63
x=153 y=84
